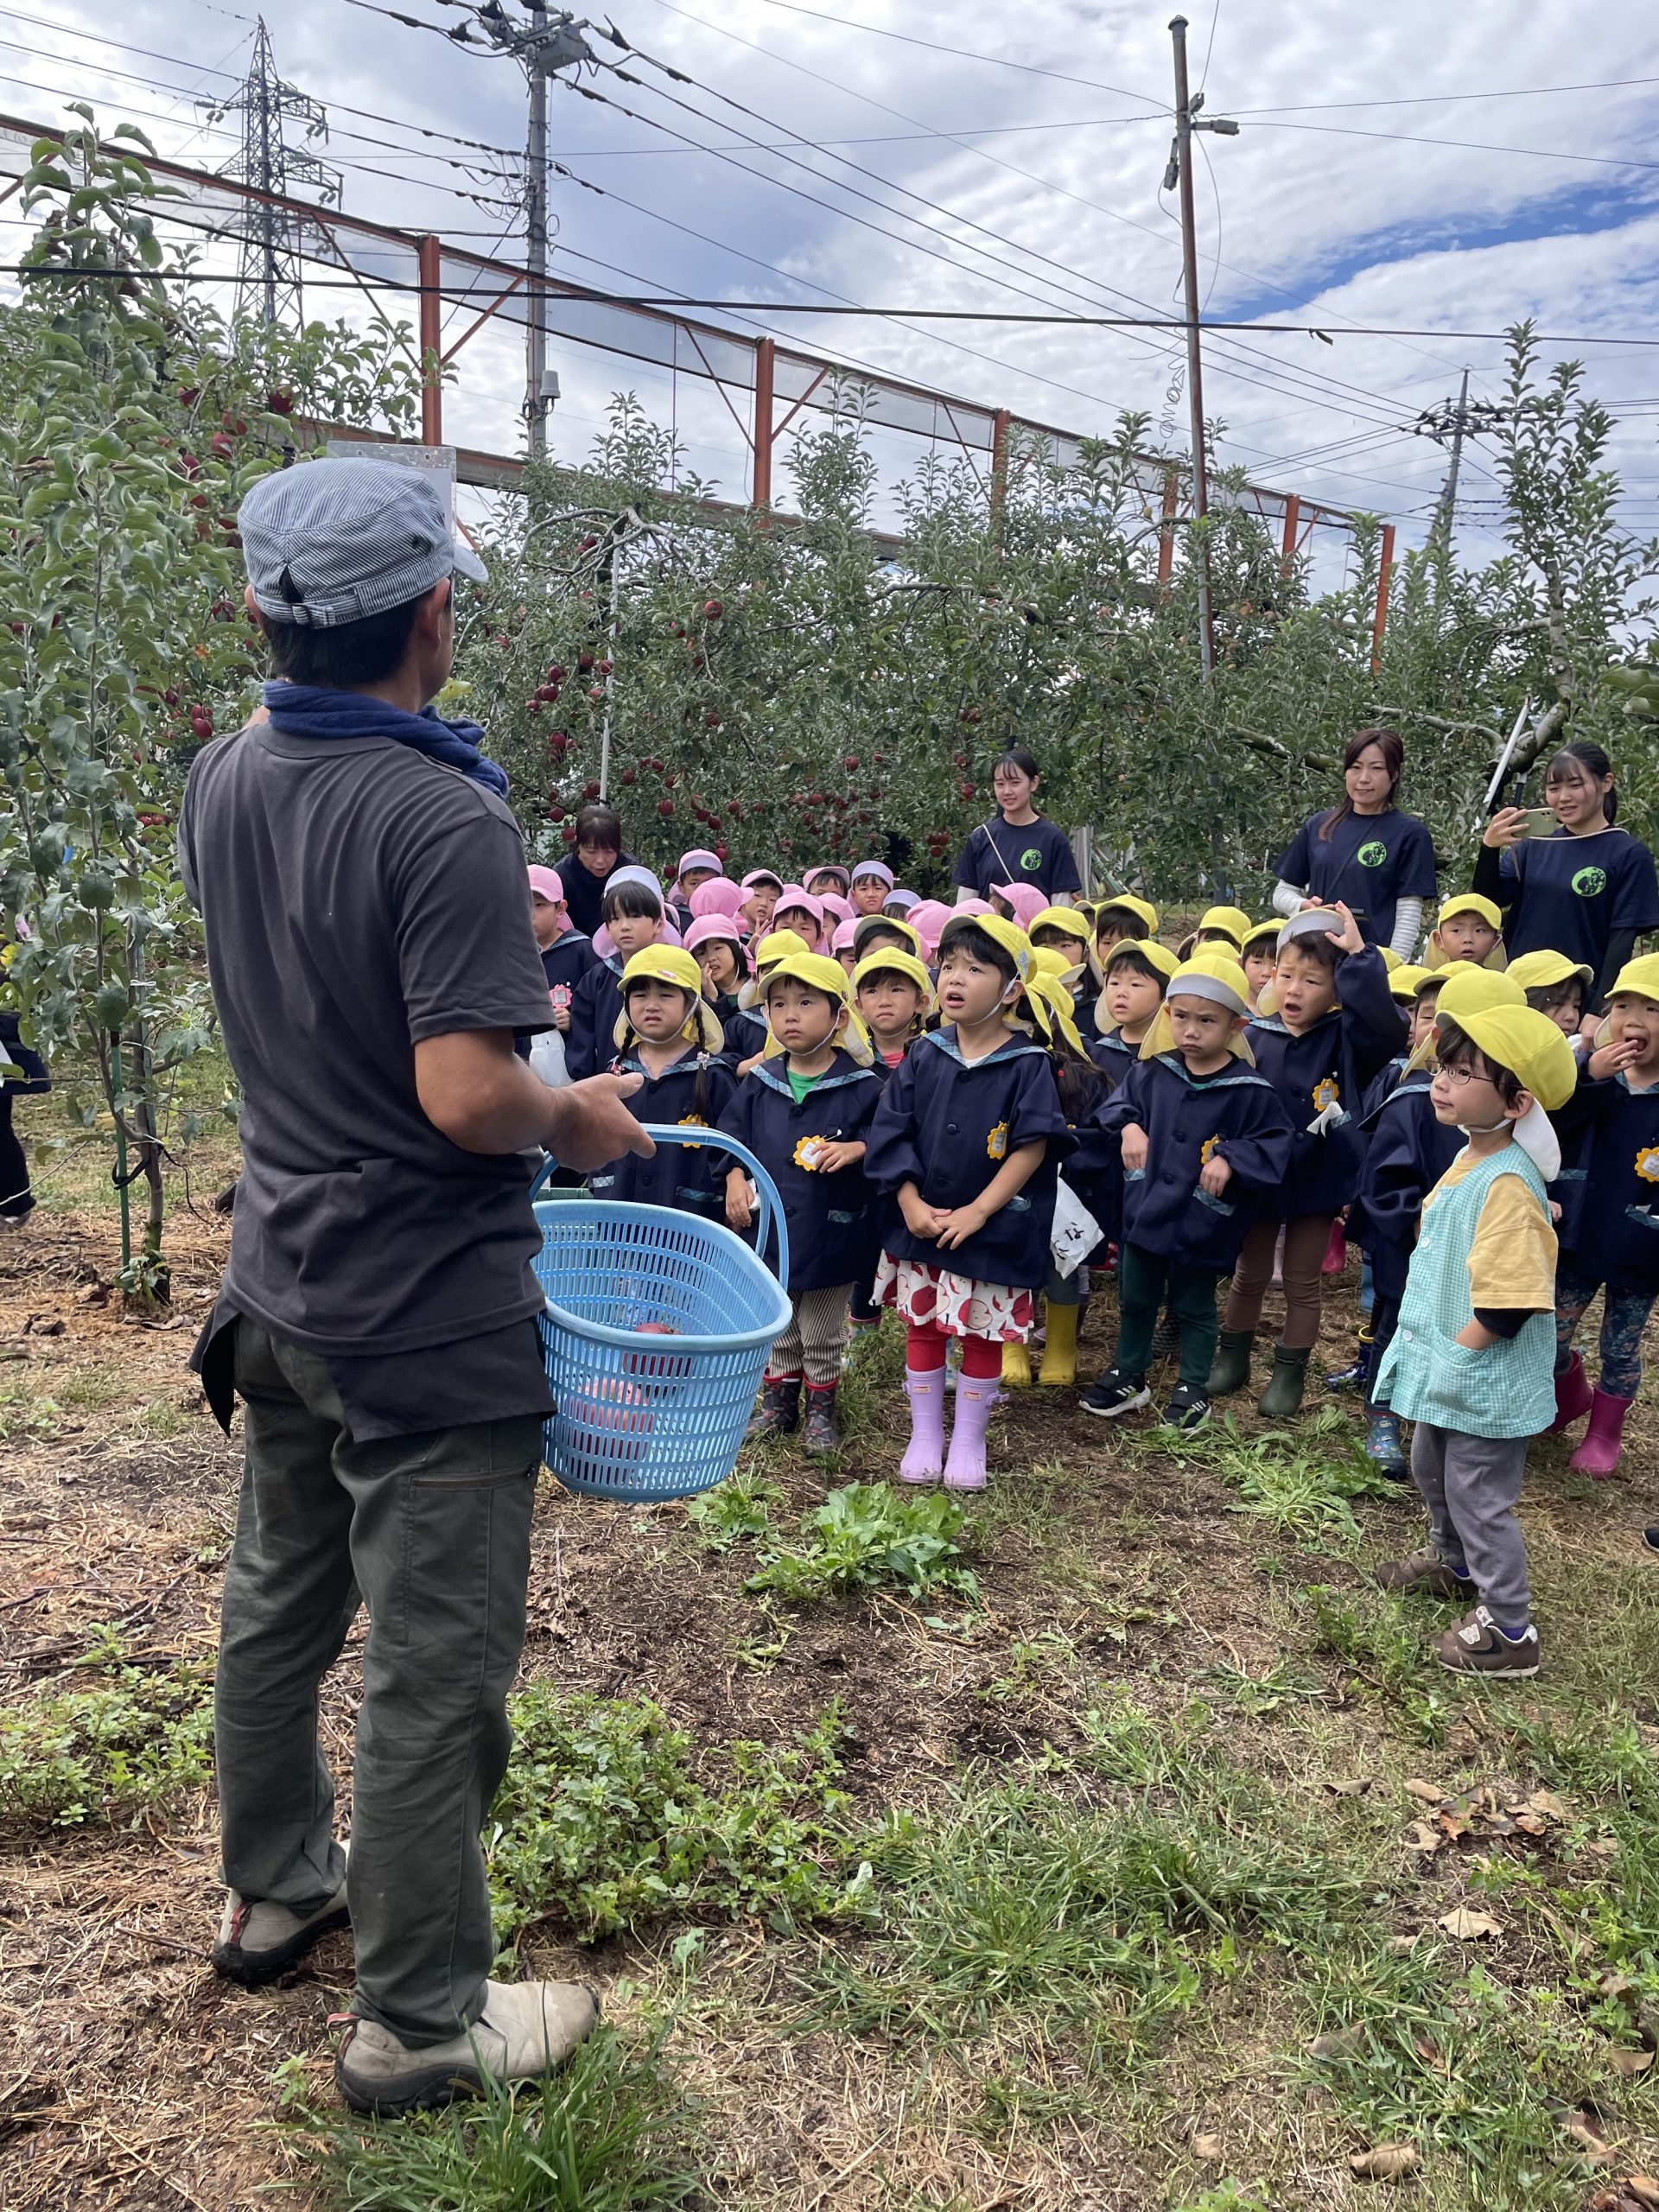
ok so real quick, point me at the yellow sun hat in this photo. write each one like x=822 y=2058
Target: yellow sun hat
x=1523 y=1041
x=889 y=961
x=1637 y=979
x=1468 y=902
x=867 y=925
x=1143 y=910
x=1405 y=981
x=820 y=973
x=1061 y=917
x=1051 y=1007
x=1207 y=976
x=1464 y=988
x=1391 y=959
x=671 y=964
x=1147 y=948
x=1536 y=971
x=1265 y=934
x=779 y=945
x=1232 y=921
x=1009 y=935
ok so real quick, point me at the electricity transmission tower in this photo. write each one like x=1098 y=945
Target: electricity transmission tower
x=268 y=278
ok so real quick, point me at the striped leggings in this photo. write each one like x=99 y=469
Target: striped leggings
x=816 y=1338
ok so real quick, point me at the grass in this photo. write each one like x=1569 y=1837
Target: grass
x=613 y=2133
x=120 y=1737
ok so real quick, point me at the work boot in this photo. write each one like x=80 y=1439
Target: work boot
x=820 y=1435
x=1283 y=1395
x=1230 y=1368
x=1059 y=1366
x=1016 y=1367
x=1572 y=1395
x=780 y=1410
x=1598 y=1456
x=526 y=2029
x=257 y=1942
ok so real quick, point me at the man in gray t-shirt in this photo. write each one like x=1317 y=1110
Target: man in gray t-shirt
x=362 y=886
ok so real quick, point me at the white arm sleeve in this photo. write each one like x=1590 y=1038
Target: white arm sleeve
x=1286 y=898
x=964 y=893
x=1408 y=923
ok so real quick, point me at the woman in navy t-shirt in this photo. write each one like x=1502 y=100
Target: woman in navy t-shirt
x=1379 y=862
x=1587 y=889
x=1017 y=845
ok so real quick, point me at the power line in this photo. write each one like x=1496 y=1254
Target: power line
x=1463 y=145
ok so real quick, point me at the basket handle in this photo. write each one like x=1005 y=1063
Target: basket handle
x=772 y=1206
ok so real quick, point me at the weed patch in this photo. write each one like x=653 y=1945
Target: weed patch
x=127 y=1735
x=603 y=1823
x=1301 y=1482
x=867 y=1537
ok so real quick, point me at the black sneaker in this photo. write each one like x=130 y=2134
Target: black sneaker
x=1114 y=1394
x=1188 y=1407
x=1651 y=1538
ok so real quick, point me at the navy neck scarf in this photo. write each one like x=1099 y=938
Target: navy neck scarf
x=311 y=710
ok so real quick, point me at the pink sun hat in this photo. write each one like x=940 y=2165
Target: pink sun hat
x=927 y=918
x=1026 y=900
x=833 y=903
x=720 y=895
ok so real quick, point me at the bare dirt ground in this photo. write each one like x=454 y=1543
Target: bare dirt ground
x=130 y=2077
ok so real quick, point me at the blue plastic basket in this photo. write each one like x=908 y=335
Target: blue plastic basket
x=648 y=1416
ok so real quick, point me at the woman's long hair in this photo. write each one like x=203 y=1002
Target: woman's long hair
x=1583 y=753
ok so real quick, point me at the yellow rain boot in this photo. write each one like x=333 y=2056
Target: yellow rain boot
x=1016 y=1367
x=1059 y=1365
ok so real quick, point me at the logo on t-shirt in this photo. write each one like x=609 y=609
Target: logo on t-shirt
x=1590 y=882
x=1032 y=858
x=1372 y=856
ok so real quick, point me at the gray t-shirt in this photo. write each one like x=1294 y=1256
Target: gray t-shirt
x=359 y=897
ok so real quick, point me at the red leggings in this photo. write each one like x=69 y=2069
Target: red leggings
x=925 y=1343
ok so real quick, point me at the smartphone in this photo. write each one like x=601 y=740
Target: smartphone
x=1539 y=821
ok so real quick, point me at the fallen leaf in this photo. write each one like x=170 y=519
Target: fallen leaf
x=1452 y=1825
x=1424 y=1838
x=1341 y=2043
x=1424 y=1792
x=1386 y=2163
x=1643 y=2188
x=1603 y=1847
x=1209 y=2148
x=1428 y=2051
x=1404 y=1943
x=1353 y=1786
x=1532 y=1824
x=1465 y=1924
x=1548 y=1806
x=1579 y=2129
x=1630 y=2064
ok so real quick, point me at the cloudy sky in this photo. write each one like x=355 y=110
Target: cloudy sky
x=1426 y=169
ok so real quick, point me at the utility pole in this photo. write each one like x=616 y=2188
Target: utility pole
x=268 y=272
x=548 y=42
x=1180 y=171
x=1449 y=425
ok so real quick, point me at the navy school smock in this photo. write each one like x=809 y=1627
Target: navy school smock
x=691 y=1180
x=1112 y=1056
x=568 y=959
x=1406 y=1150
x=1570 y=894
x=1330 y=1063
x=595 y=1003
x=828 y=1215
x=1000 y=853
x=1608 y=1190
x=1369 y=861
x=745 y=1033
x=1188 y=1120
x=946 y=1124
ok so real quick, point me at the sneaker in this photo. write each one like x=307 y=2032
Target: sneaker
x=1425 y=1573
x=1478 y=1646
x=1188 y=1407
x=1114 y=1394
x=257 y=1942
x=527 y=2028
x=1651 y=1538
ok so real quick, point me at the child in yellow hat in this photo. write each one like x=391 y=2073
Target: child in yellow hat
x=1610 y=1227
x=966 y=1147
x=806 y=1114
x=670 y=1036
x=1471 y=1360
x=1469 y=928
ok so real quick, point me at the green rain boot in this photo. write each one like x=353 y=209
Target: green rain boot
x=1283 y=1395
x=1230 y=1369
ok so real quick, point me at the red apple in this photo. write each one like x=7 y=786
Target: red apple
x=712 y=610
x=665 y=807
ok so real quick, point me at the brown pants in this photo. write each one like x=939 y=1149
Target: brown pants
x=1307 y=1235
x=816 y=1337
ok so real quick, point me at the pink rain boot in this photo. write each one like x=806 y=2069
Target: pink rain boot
x=924 y=1454
x=1572 y=1395
x=965 y=1468
x=1598 y=1456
